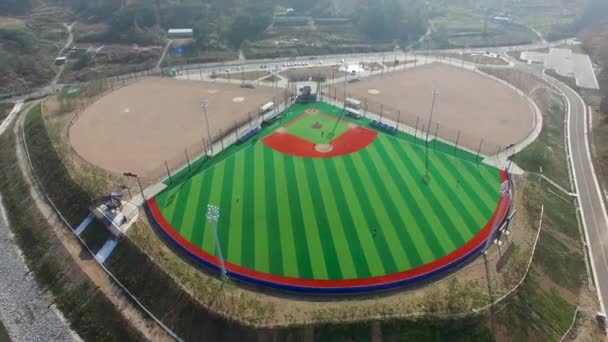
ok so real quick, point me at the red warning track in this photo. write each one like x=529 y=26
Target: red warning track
x=351 y=141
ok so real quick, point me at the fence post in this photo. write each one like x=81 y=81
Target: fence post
x=381 y=109
x=364 y=106
x=416 y=131
x=221 y=140
x=436 y=136
x=478 y=150
x=236 y=131
x=168 y=172
x=398 y=118
x=187 y=159
x=205 y=147
x=456 y=146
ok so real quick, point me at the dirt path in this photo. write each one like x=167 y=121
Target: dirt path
x=66 y=46
x=88 y=264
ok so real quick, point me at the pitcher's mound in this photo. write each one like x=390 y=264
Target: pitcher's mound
x=324 y=148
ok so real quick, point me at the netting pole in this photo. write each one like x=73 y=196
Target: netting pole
x=398 y=118
x=364 y=106
x=416 y=131
x=497 y=154
x=205 y=147
x=381 y=110
x=168 y=172
x=221 y=140
x=456 y=146
x=436 y=136
x=249 y=117
x=479 y=150
x=236 y=131
x=187 y=159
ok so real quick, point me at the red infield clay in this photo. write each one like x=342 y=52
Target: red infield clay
x=437 y=264
x=351 y=141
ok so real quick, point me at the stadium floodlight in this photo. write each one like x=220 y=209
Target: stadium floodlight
x=213 y=216
x=205 y=104
x=428 y=129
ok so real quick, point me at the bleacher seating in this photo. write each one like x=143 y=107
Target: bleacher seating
x=382 y=126
x=249 y=134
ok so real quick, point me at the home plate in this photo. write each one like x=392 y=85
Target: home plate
x=374 y=91
x=238 y=99
x=126 y=110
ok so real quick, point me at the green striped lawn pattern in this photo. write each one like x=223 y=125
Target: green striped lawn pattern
x=365 y=214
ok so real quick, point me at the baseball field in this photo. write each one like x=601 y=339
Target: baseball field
x=314 y=202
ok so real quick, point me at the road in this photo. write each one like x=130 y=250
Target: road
x=590 y=197
x=589 y=194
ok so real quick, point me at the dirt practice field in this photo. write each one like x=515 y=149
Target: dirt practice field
x=320 y=71
x=474 y=104
x=138 y=127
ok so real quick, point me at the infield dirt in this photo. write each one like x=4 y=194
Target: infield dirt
x=467 y=101
x=138 y=127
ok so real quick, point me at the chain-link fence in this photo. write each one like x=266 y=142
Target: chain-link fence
x=418 y=126
x=194 y=155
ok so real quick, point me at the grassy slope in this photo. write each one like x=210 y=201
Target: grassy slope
x=67 y=195
x=548 y=151
x=90 y=314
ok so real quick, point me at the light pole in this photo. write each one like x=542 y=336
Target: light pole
x=345 y=81
x=275 y=78
x=428 y=129
x=213 y=215
x=132 y=175
x=204 y=105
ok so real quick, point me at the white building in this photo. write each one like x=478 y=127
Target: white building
x=180 y=33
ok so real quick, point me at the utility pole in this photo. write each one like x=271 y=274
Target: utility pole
x=435 y=93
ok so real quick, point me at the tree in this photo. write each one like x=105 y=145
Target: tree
x=16 y=6
x=203 y=29
x=604 y=105
x=389 y=20
x=250 y=23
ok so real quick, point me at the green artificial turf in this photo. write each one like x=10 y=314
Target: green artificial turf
x=317 y=128
x=365 y=214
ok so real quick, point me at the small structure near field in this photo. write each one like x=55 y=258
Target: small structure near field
x=60 y=60
x=266 y=107
x=180 y=33
x=306 y=95
x=353 y=103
